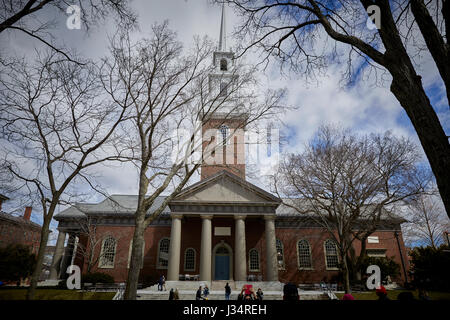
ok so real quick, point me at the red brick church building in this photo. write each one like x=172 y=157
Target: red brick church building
x=220 y=228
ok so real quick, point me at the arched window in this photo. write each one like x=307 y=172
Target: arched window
x=280 y=254
x=189 y=260
x=253 y=260
x=304 y=255
x=224 y=134
x=163 y=253
x=331 y=255
x=108 y=253
x=130 y=251
x=223 y=65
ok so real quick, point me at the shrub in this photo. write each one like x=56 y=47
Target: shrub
x=16 y=262
x=431 y=267
x=388 y=266
x=97 y=277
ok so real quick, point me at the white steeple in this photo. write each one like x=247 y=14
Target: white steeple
x=223 y=32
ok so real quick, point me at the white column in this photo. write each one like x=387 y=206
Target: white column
x=174 y=249
x=240 y=259
x=205 y=250
x=271 y=250
x=57 y=256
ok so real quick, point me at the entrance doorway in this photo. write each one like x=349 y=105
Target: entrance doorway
x=222 y=256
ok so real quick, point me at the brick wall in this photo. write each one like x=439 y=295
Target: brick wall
x=255 y=238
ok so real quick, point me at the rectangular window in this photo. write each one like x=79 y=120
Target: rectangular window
x=377 y=253
x=373 y=239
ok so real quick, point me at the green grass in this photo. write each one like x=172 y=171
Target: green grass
x=392 y=294
x=55 y=294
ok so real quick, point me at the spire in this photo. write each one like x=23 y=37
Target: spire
x=223 y=31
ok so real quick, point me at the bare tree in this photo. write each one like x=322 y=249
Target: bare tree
x=55 y=128
x=348 y=183
x=90 y=240
x=31 y=17
x=170 y=90
x=426 y=221
x=293 y=32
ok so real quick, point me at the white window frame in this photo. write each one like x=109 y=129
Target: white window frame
x=376 y=253
x=309 y=256
x=373 y=239
x=283 y=265
x=250 y=267
x=158 y=264
x=102 y=263
x=185 y=259
x=325 y=251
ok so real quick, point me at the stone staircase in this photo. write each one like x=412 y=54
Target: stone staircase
x=187 y=290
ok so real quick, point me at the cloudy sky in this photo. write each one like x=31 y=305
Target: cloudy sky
x=363 y=106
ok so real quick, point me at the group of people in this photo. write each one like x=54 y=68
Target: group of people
x=248 y=293
x=205 y=292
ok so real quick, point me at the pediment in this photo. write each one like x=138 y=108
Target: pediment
x=225 y=187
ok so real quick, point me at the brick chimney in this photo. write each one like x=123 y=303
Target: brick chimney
x=27 y=213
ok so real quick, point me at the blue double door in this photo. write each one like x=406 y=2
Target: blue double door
x=222 y=267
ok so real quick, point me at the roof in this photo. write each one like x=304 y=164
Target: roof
x=286 y=210
x=18 y=220
x=120 y=205
x=226 y=174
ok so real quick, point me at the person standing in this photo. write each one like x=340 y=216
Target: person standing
x=259 y=294
x=176 y=295
x=227 y=291
x=206 y=291
x=171 y=294
x=198 y=296
x=164 y=283
x=160 y=283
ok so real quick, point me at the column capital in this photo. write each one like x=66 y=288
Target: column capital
x=240 y=217
x=206 y=216
x=176 y=216
x=270 y=217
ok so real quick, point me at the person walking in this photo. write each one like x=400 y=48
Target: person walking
x=164 y=283
x=206 y=292
x=227 y=291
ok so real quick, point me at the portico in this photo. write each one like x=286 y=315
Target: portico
x=226 y=260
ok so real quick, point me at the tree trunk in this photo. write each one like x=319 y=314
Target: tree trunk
x=407 y=88
x=346 y=274
x=136 y=261
x=40 y=258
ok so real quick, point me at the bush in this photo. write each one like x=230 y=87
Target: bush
x=16 y=262
x=430 y=268
x=388 y=266
x=97 y=277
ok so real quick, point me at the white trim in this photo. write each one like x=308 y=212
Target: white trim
x=185 y=256
x=158 y=266
x=101 y=263
x=250 y=260
x=283 y=266
x=325 y=255
x=310 y=255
